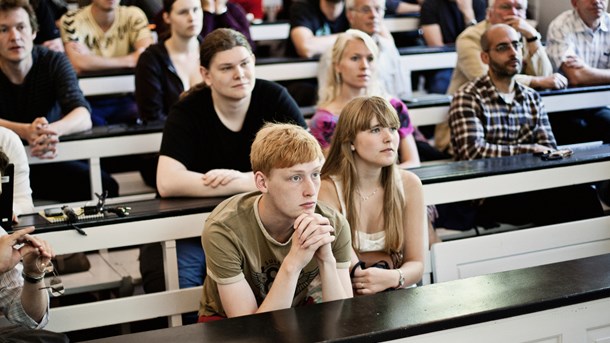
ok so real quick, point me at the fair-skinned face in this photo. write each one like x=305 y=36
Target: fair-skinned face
x=367 y=15
x=185 y=18
x=105 y=5
x=503 y=58
x=504 y=10
x=231 y=73
x=290 y=192
x=377 y=146
x=590 y=10
x=356 y=65
x=16 y=36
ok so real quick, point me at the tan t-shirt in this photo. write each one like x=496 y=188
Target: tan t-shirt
x=237 y=246
x=130 y=25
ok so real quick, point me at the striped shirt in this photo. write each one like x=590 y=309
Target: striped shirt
x=11 y=283
x=484 y=125
x=568 y=35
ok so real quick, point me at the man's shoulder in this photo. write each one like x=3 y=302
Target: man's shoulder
x=563 y=17
x=76 y=14
x=473 y=32
x=238 y=208
x=333 y=215
x=131 y=11
x=43 y=56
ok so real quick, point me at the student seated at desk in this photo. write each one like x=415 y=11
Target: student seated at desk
x=40 y=101
x=383 y=203
x=495 y=116
x=265 y=248
x=205 y=150
x=106 y=36
x=167 y=69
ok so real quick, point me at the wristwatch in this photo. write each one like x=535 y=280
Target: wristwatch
x=471 y=23
x=32 y=279
x=401 y=279
x=534 y=38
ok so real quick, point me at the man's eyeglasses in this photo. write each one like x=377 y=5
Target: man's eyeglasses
x=369 y=9
x=56 y=286
x=504 y=47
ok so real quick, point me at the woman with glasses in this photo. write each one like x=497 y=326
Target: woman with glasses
x=383 y=203
x=354 y=73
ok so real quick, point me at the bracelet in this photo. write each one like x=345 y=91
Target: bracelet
x=32 y=279
x=401 y=279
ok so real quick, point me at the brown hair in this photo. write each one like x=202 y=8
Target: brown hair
x=355 y=117
x=283 y=146
x=220 y=40
x=10 y=5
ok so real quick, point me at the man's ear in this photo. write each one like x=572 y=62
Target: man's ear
x=485 y=57
x=260 y=180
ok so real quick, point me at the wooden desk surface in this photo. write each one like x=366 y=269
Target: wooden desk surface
x=408 y=312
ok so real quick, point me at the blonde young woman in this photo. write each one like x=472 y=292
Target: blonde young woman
x=353 y=74
x=383 y=203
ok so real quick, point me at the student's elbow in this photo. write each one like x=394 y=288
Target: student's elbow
x=304 y=51
x=164 y=185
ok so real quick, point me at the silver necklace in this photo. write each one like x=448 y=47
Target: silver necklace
x=365 y=198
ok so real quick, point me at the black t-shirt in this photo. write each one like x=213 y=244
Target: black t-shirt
x=447 y=15
x=50 y=90
x=195 y=136
x=307 y=13
x=47 y=30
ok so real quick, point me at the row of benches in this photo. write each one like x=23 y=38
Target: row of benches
x=448 y=260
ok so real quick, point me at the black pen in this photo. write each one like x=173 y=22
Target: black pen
x=79 y=230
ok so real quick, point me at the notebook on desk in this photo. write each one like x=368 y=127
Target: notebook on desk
x=6 y=197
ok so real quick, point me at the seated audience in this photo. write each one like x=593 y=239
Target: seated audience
x=206 y=142
x=578 y=43
x=367 y=16
x=383 y=204
x=537 y=71
x=105 y=36
x=353 y=73
x=40 y=101
x=265 y=248
x=441 y=22
x=494 y=116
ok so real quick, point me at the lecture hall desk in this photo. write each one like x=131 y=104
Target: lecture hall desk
x=519 y=305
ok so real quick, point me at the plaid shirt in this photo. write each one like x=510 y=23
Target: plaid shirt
x=569 y=35
x=11 y=284
x=483 y=125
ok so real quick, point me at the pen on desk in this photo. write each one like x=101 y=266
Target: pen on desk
x=79 y=230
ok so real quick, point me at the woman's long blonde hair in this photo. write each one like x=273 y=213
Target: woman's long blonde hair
x=331 y=90
x=355 y=117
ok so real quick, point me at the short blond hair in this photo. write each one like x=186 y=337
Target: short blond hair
x=283 y=146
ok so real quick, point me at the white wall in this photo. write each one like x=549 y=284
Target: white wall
x=547 y=11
